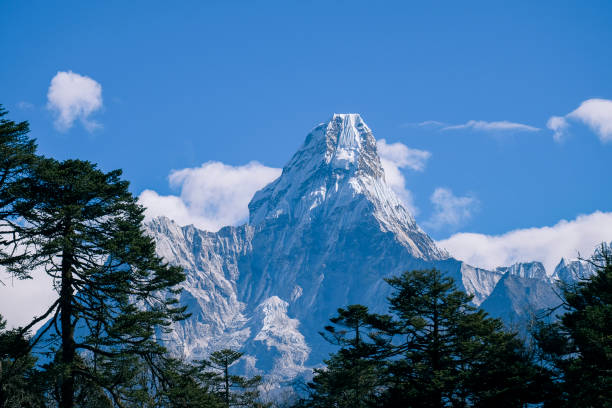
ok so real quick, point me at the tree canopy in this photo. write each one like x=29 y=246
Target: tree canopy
x=434 y=350
x=83 y=227
x=579 y=345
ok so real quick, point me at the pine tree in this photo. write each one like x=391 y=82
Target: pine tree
x=179 y=384
x=450 y=353
x=579 y=345
x=435 y=349
x=84 y=228
x=233 y=390
x=17 y=154
x=353 y=375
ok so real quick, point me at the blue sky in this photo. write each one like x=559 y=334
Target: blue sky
x=181 y=84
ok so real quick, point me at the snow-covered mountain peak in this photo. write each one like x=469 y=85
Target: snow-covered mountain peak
x=336 y=178
x=351 y=144
x=528 y=270
x=573 y=270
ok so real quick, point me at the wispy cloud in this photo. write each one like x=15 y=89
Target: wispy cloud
x=433 y=123
x=211 y=196
x=545 y=244
x=450 y=210
x=74 y=97
x=595 y=113
x=424 y=124
x=499 y=126
x=558 y=124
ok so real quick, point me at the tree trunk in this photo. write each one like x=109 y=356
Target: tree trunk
x=436 y=351
x=68 y=346
x=227 y=398
x=2 y=396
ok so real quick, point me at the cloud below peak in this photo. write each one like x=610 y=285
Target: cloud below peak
x=402 y=155
x=545 y=244
x=74 y=97
x=393 y=158
x=211 y=196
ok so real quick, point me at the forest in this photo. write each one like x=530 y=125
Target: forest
x=96 y=344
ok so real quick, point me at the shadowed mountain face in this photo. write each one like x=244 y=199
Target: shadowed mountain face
x=325 y=234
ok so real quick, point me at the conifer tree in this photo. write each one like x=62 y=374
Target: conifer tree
x=184 y=385
x=434 y=350
x=17 y=154
x=353 y=376
x=450 y=353
x=579 y=345
x=233 y=390
x=84 y=228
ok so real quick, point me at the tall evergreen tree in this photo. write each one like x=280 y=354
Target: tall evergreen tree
x=233 y=390
x=579 y=345
x=84 y=228
x=17 y=154
x=449 y=352
x=353 y=376
x=434 y=350
x=184 y=385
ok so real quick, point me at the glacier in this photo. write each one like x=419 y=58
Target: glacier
x=323 y=235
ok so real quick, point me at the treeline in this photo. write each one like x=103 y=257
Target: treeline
x=434 y=349
x=114 y=296
x=98 y=344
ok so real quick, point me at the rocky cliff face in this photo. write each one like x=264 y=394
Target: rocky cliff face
x=325 y=234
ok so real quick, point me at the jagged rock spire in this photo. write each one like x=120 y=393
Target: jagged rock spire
x=337 y=175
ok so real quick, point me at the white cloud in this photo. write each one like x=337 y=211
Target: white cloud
x=595 y=113
x=395 y=156
x=498 y=126
x=558 y=125
x=434 y=123
x=450 y=210
x=402 y=155
x=72 y=96
x=21 y=300
x=546 y=244
x=211 y=196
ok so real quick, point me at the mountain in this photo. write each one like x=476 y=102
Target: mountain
x=323 y=235
x=572 y=271
x=523 y=291
x=526 y=290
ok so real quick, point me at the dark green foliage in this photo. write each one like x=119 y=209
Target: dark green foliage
x=184 y=385
x=84 y=228
x=353 y=376
x=579 y=345
x=435 y=350
x=450 y=353
x=16 y=157
x=19 y=385
x=233 y=390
